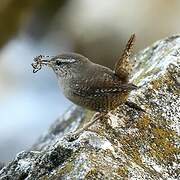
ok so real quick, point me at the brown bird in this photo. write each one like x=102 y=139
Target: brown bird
x=91 y=85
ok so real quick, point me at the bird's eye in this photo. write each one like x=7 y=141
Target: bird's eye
x=58 y=63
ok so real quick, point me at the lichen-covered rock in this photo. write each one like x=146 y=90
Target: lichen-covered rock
x=128 y=145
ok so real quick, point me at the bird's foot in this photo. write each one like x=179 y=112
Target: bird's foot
x=75 y=135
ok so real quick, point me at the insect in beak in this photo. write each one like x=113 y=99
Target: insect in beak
x=39 y=62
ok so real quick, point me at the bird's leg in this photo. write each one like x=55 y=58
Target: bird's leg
x=134 y=106
x=76 y=134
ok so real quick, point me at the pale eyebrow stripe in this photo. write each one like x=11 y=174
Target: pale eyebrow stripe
x=67 y=60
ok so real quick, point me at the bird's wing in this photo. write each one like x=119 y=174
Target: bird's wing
x=99 y=87
x=123 y=67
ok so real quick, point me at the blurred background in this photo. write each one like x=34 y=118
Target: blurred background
x=29 y=102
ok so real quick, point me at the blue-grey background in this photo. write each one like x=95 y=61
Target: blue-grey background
x=29 y=102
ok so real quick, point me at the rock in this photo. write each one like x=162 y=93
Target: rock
x=130 y=144
x=1 y=165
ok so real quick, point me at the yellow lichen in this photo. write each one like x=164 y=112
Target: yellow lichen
x=163 y=148
x=65 y=169
x=122 y=171
x=143 y=122
x=91 y=173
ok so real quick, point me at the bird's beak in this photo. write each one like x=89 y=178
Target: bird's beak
x=44 y=62
x=47 y=62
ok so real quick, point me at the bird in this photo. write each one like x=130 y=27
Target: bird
x=90 y=85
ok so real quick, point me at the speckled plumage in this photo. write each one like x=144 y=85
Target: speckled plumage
x=91 y=85
x=96 y=88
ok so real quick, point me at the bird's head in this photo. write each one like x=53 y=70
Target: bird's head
x=63 y=65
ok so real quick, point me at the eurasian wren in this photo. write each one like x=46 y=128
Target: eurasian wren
x=91 y=85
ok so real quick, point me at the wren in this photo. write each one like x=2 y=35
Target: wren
x=91 y=85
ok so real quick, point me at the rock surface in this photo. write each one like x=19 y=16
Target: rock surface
x=1 y=165
x=128 y=145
